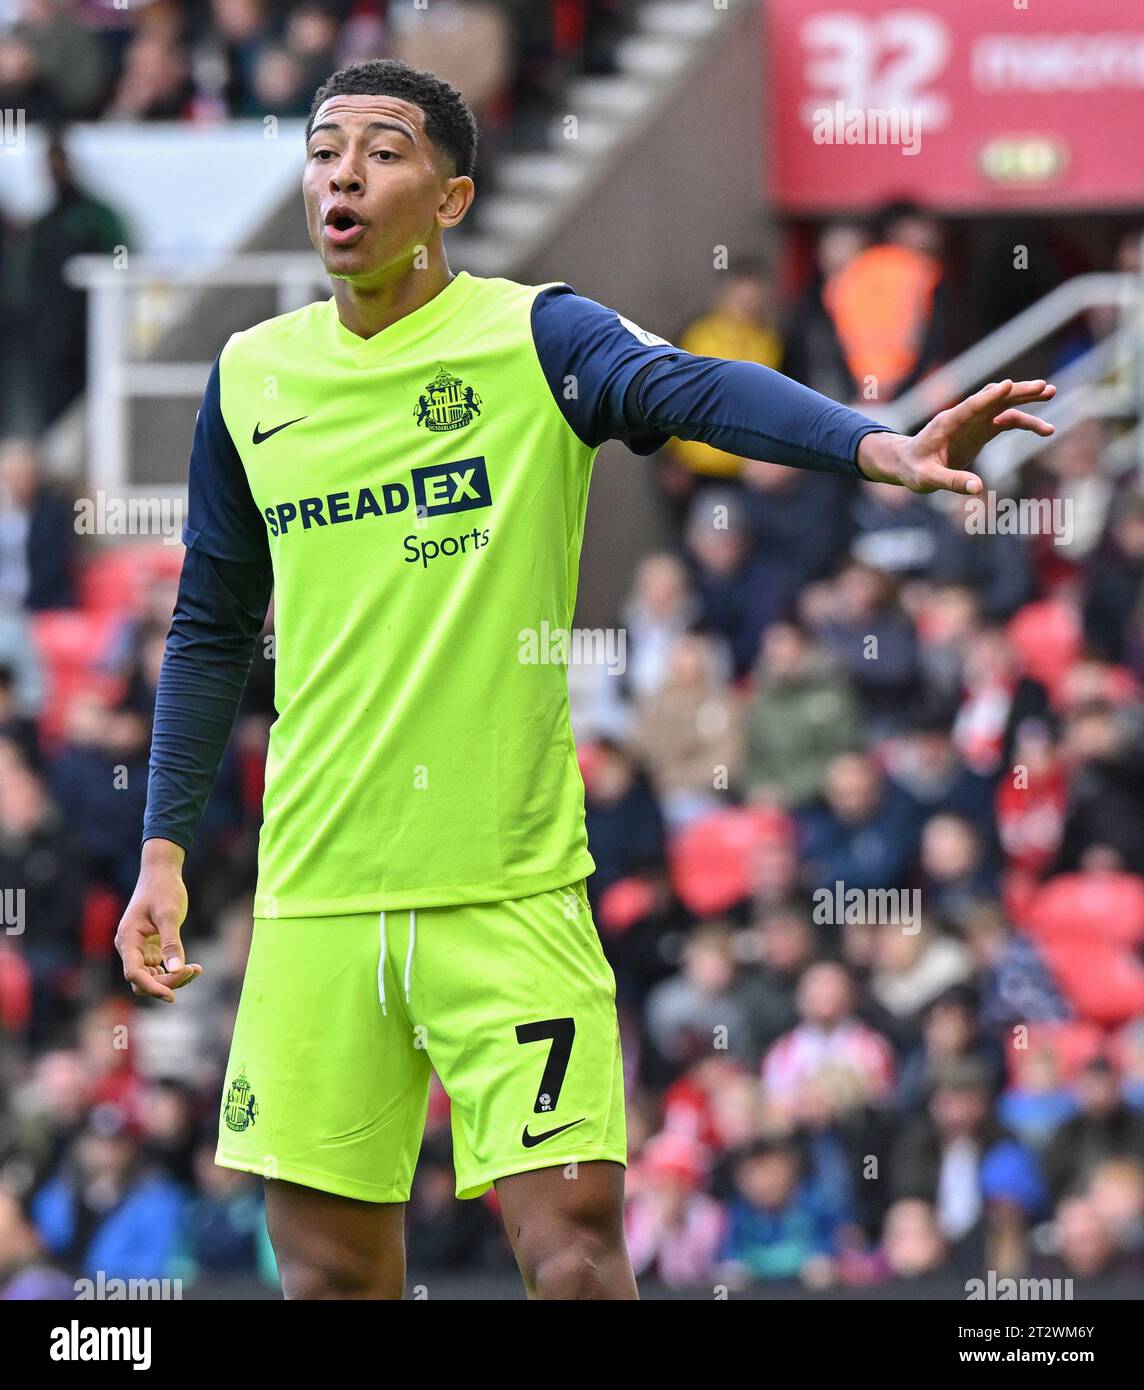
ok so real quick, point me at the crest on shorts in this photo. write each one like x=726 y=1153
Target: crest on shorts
x=241 y=1107
x=446 y=403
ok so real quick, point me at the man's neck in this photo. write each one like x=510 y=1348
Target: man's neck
x=367 y=310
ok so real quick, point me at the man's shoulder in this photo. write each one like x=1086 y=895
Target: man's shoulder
x=489 y=291
x=281 y=331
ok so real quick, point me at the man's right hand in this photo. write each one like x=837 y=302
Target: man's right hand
x=148 y=937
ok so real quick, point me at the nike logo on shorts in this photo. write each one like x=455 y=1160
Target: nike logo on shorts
x=531 y=1140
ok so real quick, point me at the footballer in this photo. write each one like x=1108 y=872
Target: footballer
x=405 y=466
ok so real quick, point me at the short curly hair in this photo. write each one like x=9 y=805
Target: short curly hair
x=449 y=123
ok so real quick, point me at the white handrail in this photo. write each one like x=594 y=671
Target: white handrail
x=1004 y=344
x=113 y=382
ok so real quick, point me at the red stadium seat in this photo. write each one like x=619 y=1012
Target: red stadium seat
x=624 y=904
x=1102 y=907
x=102 y=910
x=1047 y=638
x=71 y=643
x=712 y=861
x=1102 y=981
x=1073 y=1045
x=116 y=581
x=15 y=992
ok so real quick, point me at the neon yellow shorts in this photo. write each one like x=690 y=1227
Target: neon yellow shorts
x=343 y=1018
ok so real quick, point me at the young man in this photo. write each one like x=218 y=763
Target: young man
x=407 y=464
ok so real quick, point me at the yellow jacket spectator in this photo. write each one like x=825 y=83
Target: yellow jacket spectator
x=737 y=328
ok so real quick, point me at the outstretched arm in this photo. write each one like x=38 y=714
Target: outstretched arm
x=613 y=380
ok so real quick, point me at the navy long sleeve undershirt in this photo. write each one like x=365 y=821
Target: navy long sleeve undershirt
x=611 y=380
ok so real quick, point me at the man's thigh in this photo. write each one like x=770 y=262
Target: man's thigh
x=333 y=1247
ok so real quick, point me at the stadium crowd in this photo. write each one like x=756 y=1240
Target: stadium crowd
x=208 y=60
x=866 y=801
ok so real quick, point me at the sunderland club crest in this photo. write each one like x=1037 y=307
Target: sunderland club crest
x=240 y=1108
x=446 y=403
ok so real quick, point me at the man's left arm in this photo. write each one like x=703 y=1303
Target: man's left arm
x=613 y=380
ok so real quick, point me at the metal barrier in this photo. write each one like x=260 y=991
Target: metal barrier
x=114 y=381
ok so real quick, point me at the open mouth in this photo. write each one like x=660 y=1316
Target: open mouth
x=342 y=226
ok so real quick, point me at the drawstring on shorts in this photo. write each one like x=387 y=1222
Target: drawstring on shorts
x=408 y=958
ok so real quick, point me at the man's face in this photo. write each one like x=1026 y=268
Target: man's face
x=375 y=188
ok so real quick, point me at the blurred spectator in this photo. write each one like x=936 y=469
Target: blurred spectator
x=16 y=729
x=657 y=613
x=1016 y=984
x=38 y=855
x=442 y=1233
x=899 y=533
x=923 y=762
x=1116 y=586
x=875 y=644
x=688 y=734
x=625 y=827
x=779 y=948
x=955 y=877
x=223 y=1234
x=801 y=715
x=26 y=1272
x=865 y=835
x=77 y=223
x=1085 y=1244
x=1084 y=492
x=698 y=1010
x=950 y=1032
x=104 y=1211
x=1105 y=1128
x=37 y=535
x=912 y=1242
x=814 y=355
x=997 y=697
x=828 y=1039
x=740 y=326
x=467 y=43
x=50 y=64
x=914 y=966
x=155 y=83
x=279 y=83
x=739 y=593
x=674 y=1229
x=997 y=567
x=958 y=1158
x=311 y=40
x=779 y=1226
x=99 y=777
x=1105 y=751
x=800 y=521
x=888 y=305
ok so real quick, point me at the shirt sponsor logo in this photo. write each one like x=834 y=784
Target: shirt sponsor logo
x=436 y=490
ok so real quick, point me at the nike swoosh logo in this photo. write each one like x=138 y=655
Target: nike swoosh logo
x=531 y=1140
x=259 y=435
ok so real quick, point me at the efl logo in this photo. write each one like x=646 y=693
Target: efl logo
x=450 y=487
